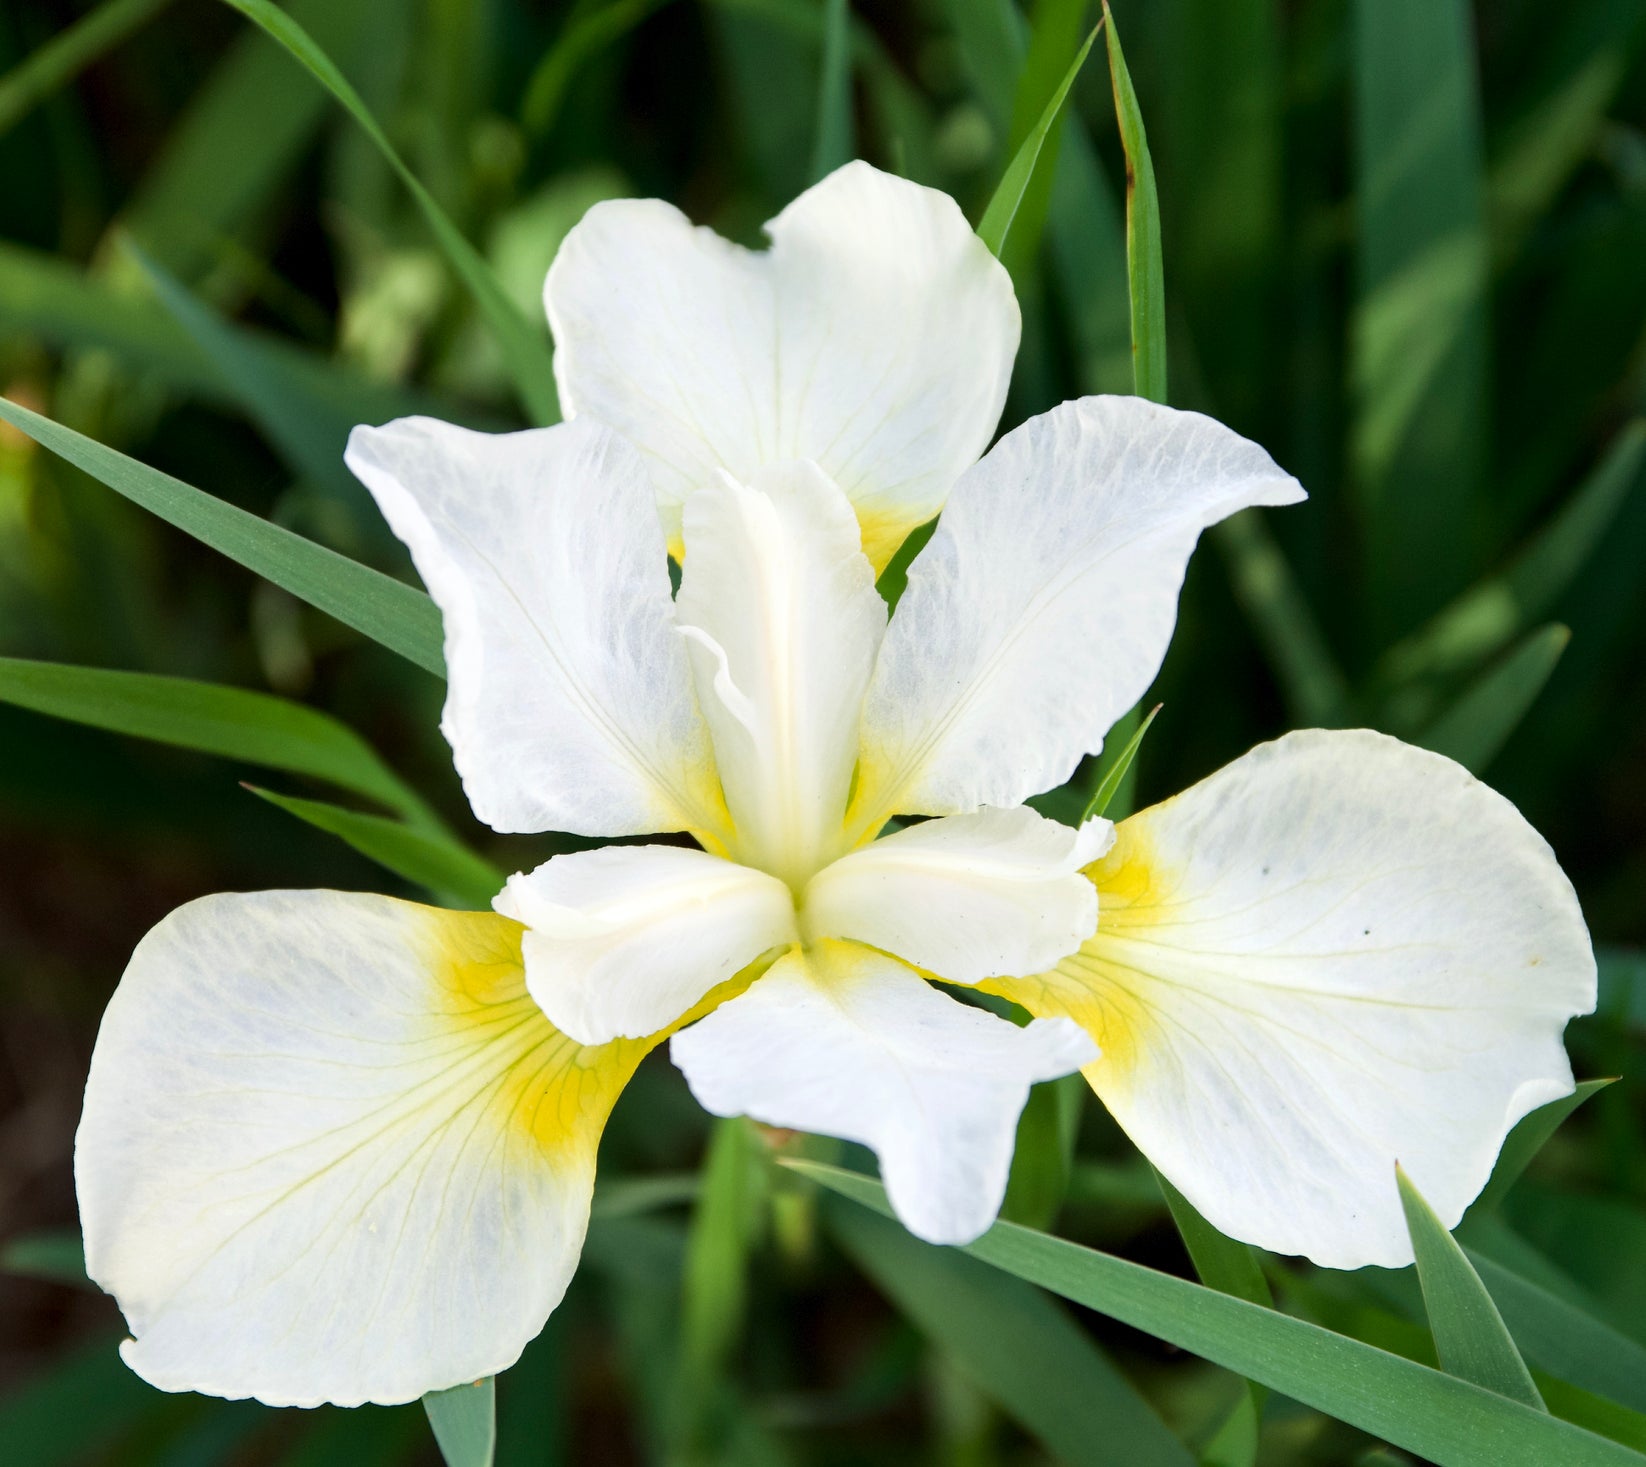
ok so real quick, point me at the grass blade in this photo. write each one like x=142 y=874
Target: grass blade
x=834 y=144
x=1475 y=727
x=1145 y=272
x=1020 y=174
x=1420 y=325
x=233 y=723
x=1315 y=689
x=68 y=53
x=435 y=862
x=1485 y=619
x=1449 y=1421
x=1115 y=775
x=524 y=347
x=1013 y=1343
x=1471 y=1339
x=584 y=36
x=402 y=618
x=57 y=1255
x=1562 y=1338
x=464 y=1420
x=1526 y=1140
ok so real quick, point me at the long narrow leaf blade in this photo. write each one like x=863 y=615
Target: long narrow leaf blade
x=1014 y=184
x=401 y=618
x=524 y=348
x=1470 y=1337
x=1144 y=271
x=1449 y=1421
x=834 y=143
x=464 y=1419
x=68 y=53
x=1475 y=727
x=435 y=862
x=1114 y=776
x=1014 y=1343
x=1526 y=1140
x=234 y=723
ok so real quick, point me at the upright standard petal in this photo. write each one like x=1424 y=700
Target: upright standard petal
x=967 y=897
x=622 y=941
x=1337 y=953
x=570 y=704
x=784 y=622
x=876 y=336
x=1041 y=609
x=843 y=1040
x=332 y=1151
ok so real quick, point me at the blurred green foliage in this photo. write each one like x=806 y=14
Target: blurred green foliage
x=1404 y=247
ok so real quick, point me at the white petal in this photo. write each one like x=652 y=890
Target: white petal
x=622 y=941
x=967 y=897
x=846 y=1041
x=331 y=1150
x=784 y=622
x=1041 y=609
x=1337 y=953
x=570 y=704
x=876 y=336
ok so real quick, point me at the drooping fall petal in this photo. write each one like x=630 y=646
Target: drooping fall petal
x=1337 y=953
x=332 y=1151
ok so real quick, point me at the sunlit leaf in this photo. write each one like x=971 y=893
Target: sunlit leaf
x=436 y=862
x=525 y=348
x=388 y=611
x=1145 y=273
x=1015 y=183
x=834 y=143
x=464 y=1420
x=1014 y=1344
x=1470 y=1336
x=234 y=723
x=1438 y=1416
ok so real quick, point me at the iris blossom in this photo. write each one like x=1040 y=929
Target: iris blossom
x=340 y=1147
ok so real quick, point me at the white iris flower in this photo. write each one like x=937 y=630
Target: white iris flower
x=340 y=1148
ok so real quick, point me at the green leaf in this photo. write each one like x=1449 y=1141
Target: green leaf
x=834 y=144
x=436 y=862
x=715 y=1287
x=1223 y=1264
x=1015 y=182
x=1485 y=619
x=1450 y=1421
x=1113 y=777
x=1419 y=333
x=1043 y=1153
x=1559 y=1336
x=80 y=1410
x=66 y=307
x=68 y=53
x=1315 y=689
x=310 y=429
x=1014 y=1344
x=1232 y=1268
x=241 y=134
x=524 y=347
x=464 y=1419
x=585 y=35
x=1145 y=274
x=57 y=1255
x=234 y=723
x=1524 y=1142
x=1479 y=723
x=388 y=611
x=1470 y=1337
